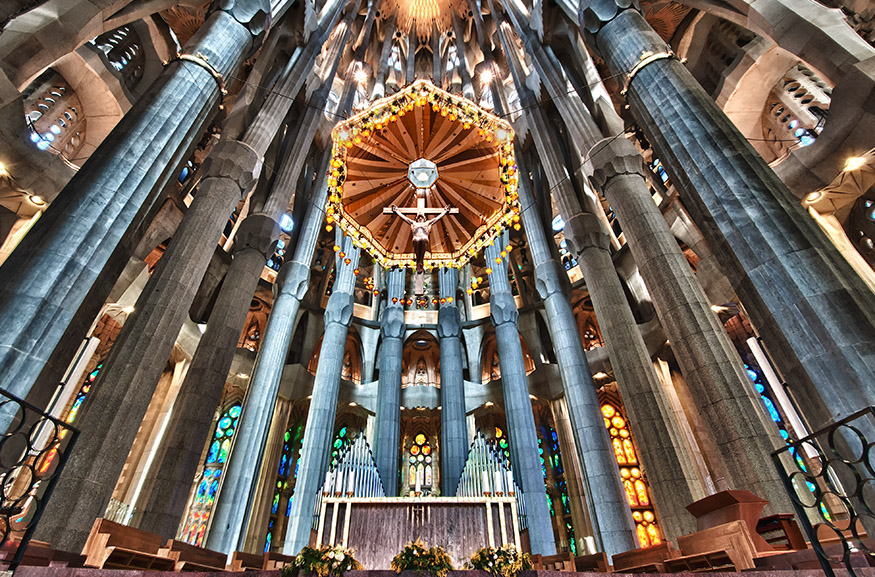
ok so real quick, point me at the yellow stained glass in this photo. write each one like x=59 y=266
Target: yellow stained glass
x=618 y=422
x=608 y=411
x=642 y=535
x=414 y=450
x=420 y=439
x=630 y=493
x=629 y=450
x=653 y=534
x=641 y=491
x=618 y=451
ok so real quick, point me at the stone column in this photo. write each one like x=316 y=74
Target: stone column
x=671 y=471
x=724 y=394
x=252 y=428
x=379 y=90
x=201 y=392
x=517 y=405
x=811 y=308
x=323 y=406
x=574 y=475
x=610 y=513
x=461 y=51
x=59 y=276
x=454 y=429
x=387 y=434
x=131 y=372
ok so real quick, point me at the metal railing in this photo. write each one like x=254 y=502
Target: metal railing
x=33 y=453
x=830 y=478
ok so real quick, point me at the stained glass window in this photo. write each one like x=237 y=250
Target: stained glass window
x=195 y=527
x=284 y=484
x=634 y=480
x=420 y=459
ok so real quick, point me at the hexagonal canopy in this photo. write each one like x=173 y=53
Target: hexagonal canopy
x=424 y=135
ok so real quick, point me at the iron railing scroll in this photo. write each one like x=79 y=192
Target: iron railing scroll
x=32 y=455
x=830 y=478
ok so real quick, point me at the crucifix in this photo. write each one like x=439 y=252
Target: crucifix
x=422 y=174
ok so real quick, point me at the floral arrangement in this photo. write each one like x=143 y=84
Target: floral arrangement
x=506 y=561
x=326 y=561
x=417 y=557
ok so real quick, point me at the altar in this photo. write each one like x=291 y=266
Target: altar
x=379 y=527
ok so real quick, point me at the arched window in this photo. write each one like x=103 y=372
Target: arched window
x=284 y=486
x=634 y=481
x=420 y=468
x=195 y=526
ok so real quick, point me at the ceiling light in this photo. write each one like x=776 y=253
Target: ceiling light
x=361 y=76
x=37 y=200
x=599 y=375
x=854 y=162
x=486 y=76
x=814 y=196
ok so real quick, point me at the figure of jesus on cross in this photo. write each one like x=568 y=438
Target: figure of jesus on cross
x=421 y=229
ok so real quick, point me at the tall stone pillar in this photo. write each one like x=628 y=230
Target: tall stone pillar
x=610 y=513
x=291 y=284
x=811 y=308
x=454 y=429
x=323 y=406
x=517 y=405
x=387 y=444
x=724 y=394
x=59 y=276
x=574 y=474
x=192 y=415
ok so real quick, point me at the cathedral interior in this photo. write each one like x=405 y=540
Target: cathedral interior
x=649 y=241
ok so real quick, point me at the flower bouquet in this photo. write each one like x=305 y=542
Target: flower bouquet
x=326 y=561
x=416 y=557
x=506 y=561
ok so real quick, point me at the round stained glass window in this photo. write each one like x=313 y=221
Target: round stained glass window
x=426 y=450
x=420 y=439
x=420 y=458
x=414 y=450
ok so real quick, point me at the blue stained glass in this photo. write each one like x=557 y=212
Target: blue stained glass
x=297 y=463
x=234 y=412
x=224 y=423
x=267 y=541
x=276 y=503
x=553 y=434
x=773 y=412
x=214 y=452
x=284 y=461
x=214 y=486
x=342 y=432
x=202 y=491
x=759 y=387
x=752 y=374
x=289 y=507
x=223 y=452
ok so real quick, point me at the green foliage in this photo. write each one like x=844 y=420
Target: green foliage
x=416 y=557
x=506 y=561
x=322 y=562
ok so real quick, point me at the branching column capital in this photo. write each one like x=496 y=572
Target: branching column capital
x=257 y=232
x=613 y=157
x=594 y=14
x=234 y=161
x=253 y=14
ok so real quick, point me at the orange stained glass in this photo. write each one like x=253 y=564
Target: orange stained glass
x=618 y=451
x=653 y=534
x=641 y=492
x=414 y=450
x=642 y=535
x=629 y=451
x=630 y=493
x=426 y=450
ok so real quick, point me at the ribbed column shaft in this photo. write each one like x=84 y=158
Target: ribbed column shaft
x=387 y=433
x=238 y=485
x=813 y=311
x=518 y=405
x=323 y=406
x=454 y=429
x=56 y=280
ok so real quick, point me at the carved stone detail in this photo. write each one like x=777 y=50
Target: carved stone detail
x=594 y=14
x=392 y=324
x=234 y=161
x=253 y=14
x=339 y=308
x=608 y=159
x=550 y=278
x=584 y=230
x=503 y=309
x=293 y=279
x=449 y=322
x=257 y=232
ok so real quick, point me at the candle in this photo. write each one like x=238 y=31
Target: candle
x=499 y=490
x=350 y=490
x=485 y=479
